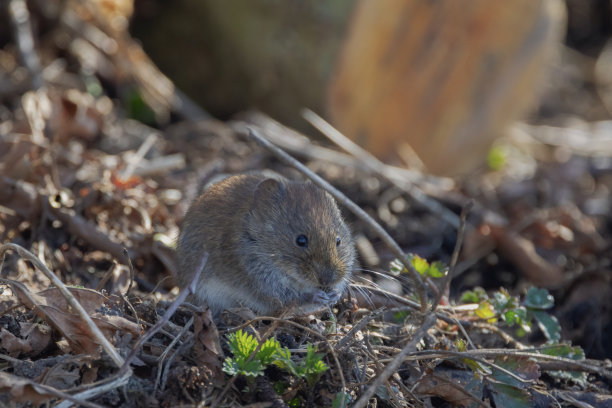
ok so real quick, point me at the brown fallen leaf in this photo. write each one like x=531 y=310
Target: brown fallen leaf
x=521 y=252
x=34 y=338
x=63 y=375
x=446 y=386
x=38 y=336
x=22 y=390
x=51 y=306
x=206 y=349
x=13 y=345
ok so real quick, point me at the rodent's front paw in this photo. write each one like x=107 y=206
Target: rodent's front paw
x=322 y=297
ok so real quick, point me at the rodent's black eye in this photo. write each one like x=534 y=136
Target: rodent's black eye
x=338 y=241
x=301 y=241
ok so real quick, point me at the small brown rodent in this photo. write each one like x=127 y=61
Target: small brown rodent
x=272 y=243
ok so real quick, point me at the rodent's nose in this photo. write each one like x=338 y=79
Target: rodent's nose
x=326 y=277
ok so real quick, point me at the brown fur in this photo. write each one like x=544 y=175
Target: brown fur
x=249 y=224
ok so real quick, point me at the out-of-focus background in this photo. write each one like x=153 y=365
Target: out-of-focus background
x=415 y=82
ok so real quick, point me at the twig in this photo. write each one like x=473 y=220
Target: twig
x=97 y=333
x=392 y=367
x=360 y=325
x=105 y=385
x=451 y=269
x=181 y=350
x=46 y=390
x=79 y=226
x=392 y=296
x=140 y=154
x=20 y=17
x=160 y=165
x=563 y=363
x=361 y=214
x=166 y=317
x=405 y=183
x=162 y=358
x=126 y=255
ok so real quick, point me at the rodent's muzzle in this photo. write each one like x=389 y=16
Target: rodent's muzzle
x=327 y=277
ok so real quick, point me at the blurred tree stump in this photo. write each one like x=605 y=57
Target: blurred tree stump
x=442 y=77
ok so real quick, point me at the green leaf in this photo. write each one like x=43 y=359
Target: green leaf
x=476 y=367
x=283 y=360
x=421 y=265
x=241 y=344
x=341 y=400
x=539 y=299
x=515 y=316
x=496 y=158
x=474 y=296
x=509 y=397
x=502 y=301
x=399 y=317
x=295 y=402
x=461 y=345
x=523 y=367
x=437 y=270
x=138 y=109
x=252 y=368
x=266 y=353
x=548 y=324
x=564 y=350
x=314 y=366
x=567 y=351
x=486 y=311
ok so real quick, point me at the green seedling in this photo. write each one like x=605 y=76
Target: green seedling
x=246 y=360
x=436 y=269
x=502 y=306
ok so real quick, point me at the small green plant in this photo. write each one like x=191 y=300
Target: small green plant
x=497 y=158
x=247 y=362
x=436 y=269
x=310 y=368
x=501 y=305
x=242 y=345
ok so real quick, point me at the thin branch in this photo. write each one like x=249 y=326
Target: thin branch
x=97 y=333
x=451 y=269
x=360 y=325
x=405 y=182
x=44 y=390
x=392 y=367
x=166 y=317
x=344 y=200
x=20 y=17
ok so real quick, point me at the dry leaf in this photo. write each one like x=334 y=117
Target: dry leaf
x=13 y=345
x=206 y=349
x=53 y=307
x=22 y=390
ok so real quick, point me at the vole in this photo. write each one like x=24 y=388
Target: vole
x=272 y=244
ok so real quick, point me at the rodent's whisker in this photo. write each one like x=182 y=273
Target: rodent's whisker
x=364 y=294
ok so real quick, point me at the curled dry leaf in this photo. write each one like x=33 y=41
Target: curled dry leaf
x=522 y=253
x=206 y=349
x=450 y=386
x=22 y=390
x=51 y=306
x=13 y=345
x=34 y=338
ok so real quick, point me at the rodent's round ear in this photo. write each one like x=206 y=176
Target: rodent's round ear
x=268 y=189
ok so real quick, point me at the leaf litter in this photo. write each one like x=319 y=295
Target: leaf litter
x=80 y=180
